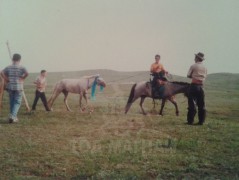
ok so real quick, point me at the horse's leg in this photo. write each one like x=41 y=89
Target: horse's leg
x=80 y=102
x=154 y=103
x=172 y=100
x=65 y=100
x=162 y=106
x=90 y=108
x=86 y=101
x=141 y=104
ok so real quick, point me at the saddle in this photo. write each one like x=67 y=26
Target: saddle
x=157 y=81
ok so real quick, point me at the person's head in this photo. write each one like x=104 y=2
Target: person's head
x=43 y=73
x=157 y=58
x=199 y=57
x=16 y=57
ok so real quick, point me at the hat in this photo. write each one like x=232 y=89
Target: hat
x=200 y=56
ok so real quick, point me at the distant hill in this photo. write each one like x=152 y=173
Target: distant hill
x=223 y=80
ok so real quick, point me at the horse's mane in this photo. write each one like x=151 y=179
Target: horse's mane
x=180 y=83
x=183 y=84
x=90 y=77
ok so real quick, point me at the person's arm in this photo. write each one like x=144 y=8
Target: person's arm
x=190 y=72
x=43 y=84
x=5 y=75
x=163 y=69
x=36 y=81
x=152 y=68
x=24 y=75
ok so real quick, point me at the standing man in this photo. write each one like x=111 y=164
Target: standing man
x=197 y=73
x=15 y=75
x=40 y=90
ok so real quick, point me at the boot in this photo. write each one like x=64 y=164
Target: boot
x=201 y=116
x=191 y=115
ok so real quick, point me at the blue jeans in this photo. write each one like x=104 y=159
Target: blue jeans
x=15 y=98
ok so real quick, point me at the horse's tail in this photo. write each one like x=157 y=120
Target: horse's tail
x=53 y=96
x=130 y=99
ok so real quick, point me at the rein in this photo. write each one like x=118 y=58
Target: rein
x=93 y=89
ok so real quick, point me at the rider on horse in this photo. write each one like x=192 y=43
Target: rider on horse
x=158 y=72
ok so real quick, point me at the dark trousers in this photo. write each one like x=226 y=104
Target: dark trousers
x=196 y=99
x=41 y=95
x=157 y=89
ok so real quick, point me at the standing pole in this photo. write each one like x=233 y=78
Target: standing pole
x=9 y=50
x=23 y=93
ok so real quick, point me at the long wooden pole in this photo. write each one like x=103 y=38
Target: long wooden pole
x=23 y=93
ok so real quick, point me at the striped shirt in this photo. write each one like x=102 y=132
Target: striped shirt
x=14 y=73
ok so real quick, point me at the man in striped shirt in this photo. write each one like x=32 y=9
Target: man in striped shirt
x=15 y=75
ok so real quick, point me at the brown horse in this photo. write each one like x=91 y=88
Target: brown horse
x=144 y=89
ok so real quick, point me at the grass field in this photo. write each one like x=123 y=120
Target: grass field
x=110 y=145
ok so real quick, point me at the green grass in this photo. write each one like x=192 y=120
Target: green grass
x=110 y=145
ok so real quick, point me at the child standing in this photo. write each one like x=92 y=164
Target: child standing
x=40 y=90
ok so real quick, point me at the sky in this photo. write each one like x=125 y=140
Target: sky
x=122 y=35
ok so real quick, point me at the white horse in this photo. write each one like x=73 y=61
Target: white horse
x=77 y=86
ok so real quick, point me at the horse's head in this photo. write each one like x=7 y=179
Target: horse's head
x=100 y=82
